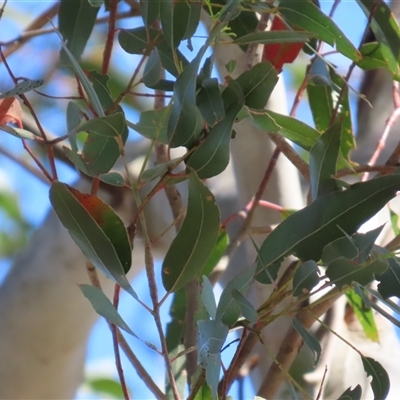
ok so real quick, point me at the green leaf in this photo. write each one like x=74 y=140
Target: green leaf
x=291 y=128
x=257 y=84
x=380 y=383
x=228 y=310
x=365 y=242
x=271 y=37
x=209 y=101
x=76 y=21
x=320 y=99
x=217 y=253
x=74 y=116
x=96 y=229
x=167 y=21
x=102 y=148
x=389 y=281
x=341 y=247
x=186 y=19
x=364 y=314
x=351 y=394
x=311 y=342
x=246 y=308
x=305 y=278
x=25 y=85
x=84 y=80
x=100 y=86
x=149 y=10
x=323 y=159
x=185 y=126
x=152 y=73
x=195 y=240
x=211 y=337
x=103 y=306
x=157 y=171
x=105 y=386
x=174 y=338
x=378 y=55
x=343 y=272
x=208 y=298
x=112 y=178
x=18 y=132
x=384 y=25
x=153 y=124
x=309 y=17
x=306 y=232
x=212 y=156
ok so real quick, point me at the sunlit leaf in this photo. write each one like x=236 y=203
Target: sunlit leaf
x=195 y=240
x=307 y=16
x=293 y=129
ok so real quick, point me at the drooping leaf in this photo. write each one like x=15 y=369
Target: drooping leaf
x=212 y=156
x=364 y=314
x=257 y=84
x=291 y=128
x=211 y=336
x=209 y=101
x=320 y=100
x=246 y=308
x=103 y=306
x=185 y=123
x=96 y=229
x=343 y=272
x=228 y=310
x=307 y=16
x=84 y=80
x=380 y=383
x=311 y=342
x=351 y=394
x=186 y=15
x=112 y=178
x=100 y=86
x=195 y=240
x=306 y=232
x=152 y=73
x=208 y=298
x=74 y=116
x=76 y=21
x=323 y=159
x=305 y=278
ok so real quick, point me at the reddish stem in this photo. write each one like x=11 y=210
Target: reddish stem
x=113 y=4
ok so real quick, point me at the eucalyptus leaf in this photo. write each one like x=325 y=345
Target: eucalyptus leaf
x=96 y=229
x=195 y=240
x=380 y=383
x=311 y=342
x=306 y=232
x=351 y=394
x=305 y=278
x=208 y=298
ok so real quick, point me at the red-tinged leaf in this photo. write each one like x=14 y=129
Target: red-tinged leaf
x=10 y=111
x=280 y=53
x=96 y=229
